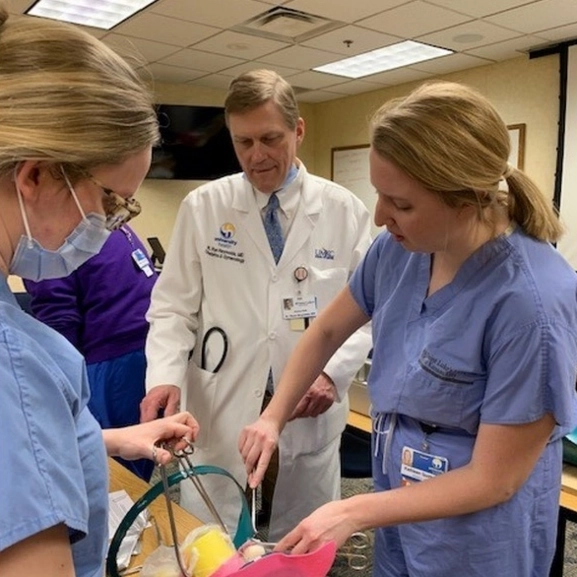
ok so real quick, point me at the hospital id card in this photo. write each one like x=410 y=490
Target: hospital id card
x=299 y=308
x=141 y=262
x=418 y=466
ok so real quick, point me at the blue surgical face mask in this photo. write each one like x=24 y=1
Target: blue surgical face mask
x=33 y=262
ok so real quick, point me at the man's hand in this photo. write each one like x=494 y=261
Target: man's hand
x=318 y=399
x=165 y=397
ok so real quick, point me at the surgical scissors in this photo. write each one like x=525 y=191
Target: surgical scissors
x=354 y=550
x=184 y=460
x=203 y=351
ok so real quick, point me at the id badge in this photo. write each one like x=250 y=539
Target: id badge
x=417 y=466
x=141 y=262
x=299 y=307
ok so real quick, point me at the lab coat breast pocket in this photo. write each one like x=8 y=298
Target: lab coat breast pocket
x=200 y=398
x=452 y=399
x=326 y=283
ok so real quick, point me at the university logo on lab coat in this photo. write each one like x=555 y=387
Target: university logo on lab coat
x=227 y=230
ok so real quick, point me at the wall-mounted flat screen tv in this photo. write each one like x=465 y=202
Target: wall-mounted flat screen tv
x=196 y=144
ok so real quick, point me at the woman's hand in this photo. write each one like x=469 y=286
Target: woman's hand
x=140 y=441
x=331 y=522
x=257 y=443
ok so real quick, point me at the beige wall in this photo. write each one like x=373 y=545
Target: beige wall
x=523 y=91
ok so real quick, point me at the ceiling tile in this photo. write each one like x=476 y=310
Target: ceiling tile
x=562 y=33
x=254 y=65
x=450 y=63
x=345 y=11
x=301 y=57
x=174 y=74
x=188 y=41
x=538 y=16
x=213 y=80
x=397 y=76
x=163 y=29
x=19 y=6
x=361 y=40
x=211 y=13
x=96 y=32
x=508 y=49
x=197 y=60
x=479 y=8
x=240 y=45
x=401 y=21
x=470 y=35
x=128 y=46
x=353 y=87
x=318 y=96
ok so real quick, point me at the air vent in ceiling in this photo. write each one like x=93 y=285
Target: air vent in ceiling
x=287 y=25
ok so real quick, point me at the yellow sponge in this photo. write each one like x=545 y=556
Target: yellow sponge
x=206 y=549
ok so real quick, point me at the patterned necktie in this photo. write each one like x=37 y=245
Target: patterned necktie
x=272 y=227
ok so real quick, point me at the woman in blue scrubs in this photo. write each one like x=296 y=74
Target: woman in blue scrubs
x=76 y=130
x=472 y=384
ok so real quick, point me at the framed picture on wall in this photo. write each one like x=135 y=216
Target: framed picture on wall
x=517 y=136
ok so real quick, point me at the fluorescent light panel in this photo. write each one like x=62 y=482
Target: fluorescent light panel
x=103 y=14
x=387 y=58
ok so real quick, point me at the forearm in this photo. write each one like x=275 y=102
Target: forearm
x=112 y=441
x=502 y=461
x=457 y=492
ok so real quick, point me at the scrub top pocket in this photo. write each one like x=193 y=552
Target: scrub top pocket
x=436 y=399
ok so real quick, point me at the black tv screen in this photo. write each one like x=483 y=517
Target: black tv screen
x=195 y=145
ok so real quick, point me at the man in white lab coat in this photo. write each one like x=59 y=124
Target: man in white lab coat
x=220 y=271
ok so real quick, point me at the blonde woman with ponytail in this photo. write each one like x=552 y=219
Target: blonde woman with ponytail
x=474 y=318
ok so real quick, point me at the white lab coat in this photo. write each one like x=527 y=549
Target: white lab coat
x=219 y=271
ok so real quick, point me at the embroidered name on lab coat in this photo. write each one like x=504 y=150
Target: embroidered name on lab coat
x=224 y=244
x=324 y=253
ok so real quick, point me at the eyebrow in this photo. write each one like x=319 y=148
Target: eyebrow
x=265 y=135
x=391 y=197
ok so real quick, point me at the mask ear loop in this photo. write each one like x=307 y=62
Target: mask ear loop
x=22 y=209
x=72 y=192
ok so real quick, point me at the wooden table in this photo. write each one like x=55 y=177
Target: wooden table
x=567 y=512
x=122 y=478
x=359 y=421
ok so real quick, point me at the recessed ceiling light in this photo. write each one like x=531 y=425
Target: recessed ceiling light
x=101 y=14
x=387 y=58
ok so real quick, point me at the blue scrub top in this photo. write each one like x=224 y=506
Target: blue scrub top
x=54 y=467
x=497 y=345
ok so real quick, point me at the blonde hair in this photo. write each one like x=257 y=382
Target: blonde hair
x=450 y=139
x=66 y=97
x=252 y=89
